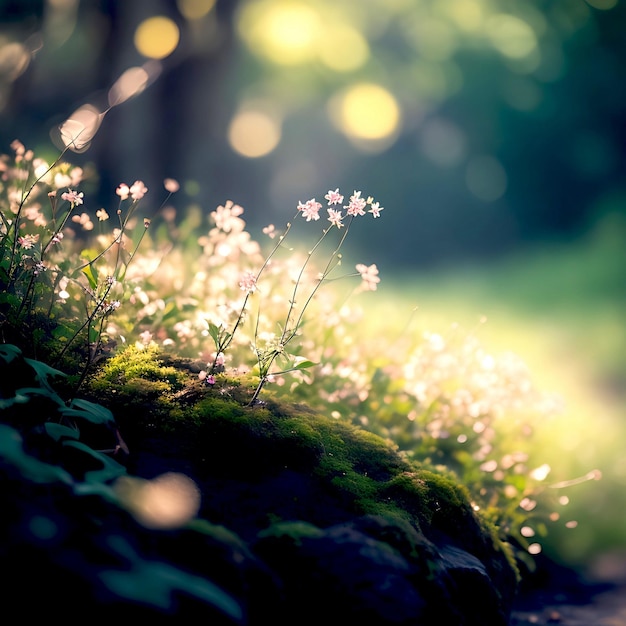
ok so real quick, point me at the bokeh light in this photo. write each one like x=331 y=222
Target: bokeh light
x=433 y=39
x=368 y=114
x=284 y=32
x=254 y=133
x=195 y=9
x=167 y=501
x=442 y=142
x=77 y=132
x=131 y=83
x=486 y=178
x=468 y=15
x=157 y=37
x=14 y=59
x=349 y=49
x=511 y=36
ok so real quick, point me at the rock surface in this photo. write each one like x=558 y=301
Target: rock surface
x=301 y=519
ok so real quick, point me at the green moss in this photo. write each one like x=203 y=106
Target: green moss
x=292 y=531
x=356 y=472
x=133 y=364
x=490 y=530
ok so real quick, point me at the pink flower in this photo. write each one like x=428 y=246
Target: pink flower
x=73 y=197
x=138 y=190
x=248 y=282
x=62 y=180
x=335 y=217
x=334 y=197
x=310 y=209
x=84 y=220
x=76 y=176
x=369 y=276
x=376 y=209
x=270 y=231
x=39 y=267
x=208 y=379
x=356 y=205
x=171 y=185
x=123 y=191
x=27 y=241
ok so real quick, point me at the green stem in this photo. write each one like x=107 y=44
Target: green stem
x=223 y=347
x=286 y=335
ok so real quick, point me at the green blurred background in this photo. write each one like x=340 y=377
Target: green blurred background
x=492 y=131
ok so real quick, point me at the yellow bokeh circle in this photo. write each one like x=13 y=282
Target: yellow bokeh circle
x=254 y=133
x=367 y=111
x=157 y=37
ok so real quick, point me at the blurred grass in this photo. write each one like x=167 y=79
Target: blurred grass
x=561 y=308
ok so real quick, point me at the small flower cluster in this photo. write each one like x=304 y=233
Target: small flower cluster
x=355 y=207
x=248 y=282
x=136 y=191
x=44 y=270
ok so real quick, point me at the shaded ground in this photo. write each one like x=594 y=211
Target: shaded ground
x=597 y=598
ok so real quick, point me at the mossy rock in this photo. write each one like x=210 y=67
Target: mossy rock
x=301 y=517
x=279 y=463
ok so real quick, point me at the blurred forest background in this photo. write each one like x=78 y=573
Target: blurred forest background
x=492 y=131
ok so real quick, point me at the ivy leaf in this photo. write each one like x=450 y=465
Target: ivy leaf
x=110 y=469
x=11 y=450
x=59 y=431
x=43 y=372
x=90 y=411
x=8 y=352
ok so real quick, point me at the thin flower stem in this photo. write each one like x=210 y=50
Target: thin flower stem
x=292 y=302
x=329 y=267
x=16 y=220
x=86 y=324
x=222 y=347
x=44 y=248
x=90 y=353
x=286 y=335
x=26 y=296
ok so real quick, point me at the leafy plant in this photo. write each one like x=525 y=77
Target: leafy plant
x=58 y=290
x=69 y=431
x=275 y=348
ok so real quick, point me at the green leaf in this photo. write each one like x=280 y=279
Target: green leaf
x=43 y=372
x=24 y=394
x=62 y=332
x=8 y=352
x=92 y=275
x=110 y=469
x=214 y=331
x=11 y=450
x=155 y=583
x=304 y=365
x=10 y=299
x=219 y=336
x=59 y=431
x=90 y=411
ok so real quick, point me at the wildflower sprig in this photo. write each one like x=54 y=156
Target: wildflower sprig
x=56 y=295
x=275 y=348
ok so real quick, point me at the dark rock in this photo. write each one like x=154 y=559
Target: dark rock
x=302 y=519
